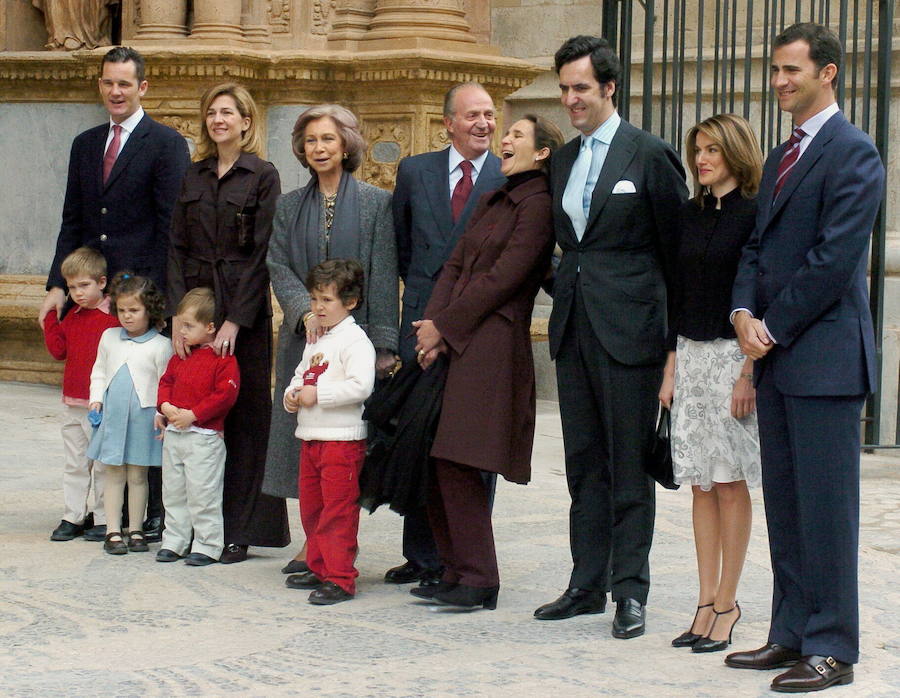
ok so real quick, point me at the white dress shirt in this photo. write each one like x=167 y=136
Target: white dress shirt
x=455 y=171
x=128 y=127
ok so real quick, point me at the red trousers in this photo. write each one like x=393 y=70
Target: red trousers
x=329 y=490
x=459 y=512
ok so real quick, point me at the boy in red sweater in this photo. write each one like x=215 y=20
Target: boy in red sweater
x=195 y=394
x=75 y=340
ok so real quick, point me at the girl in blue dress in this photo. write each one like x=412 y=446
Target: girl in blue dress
x=130 y=361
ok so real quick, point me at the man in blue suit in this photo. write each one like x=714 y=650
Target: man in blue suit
x=124 y=178
x=802 y=311
x=433 y=200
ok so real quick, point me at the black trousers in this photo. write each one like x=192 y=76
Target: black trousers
x=810 y=467
x=608 y=412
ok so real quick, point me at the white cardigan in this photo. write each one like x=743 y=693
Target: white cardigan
x=147 y=361
x=341 y=389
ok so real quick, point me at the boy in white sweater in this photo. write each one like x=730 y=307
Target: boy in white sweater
x=335 y=376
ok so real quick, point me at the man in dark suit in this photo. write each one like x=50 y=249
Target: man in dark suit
x=433 y=200
x=615 y=193
x=124 y=178
x=802 y=310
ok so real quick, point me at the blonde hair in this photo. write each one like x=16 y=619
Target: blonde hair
x=251 y=139
x=740 y=150
x=86 y=261
x=352 y=140
x=200 y=300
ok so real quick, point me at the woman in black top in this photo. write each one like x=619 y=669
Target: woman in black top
x=715 y=442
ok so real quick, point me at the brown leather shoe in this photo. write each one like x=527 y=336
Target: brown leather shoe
x=813 y=673
x=769 y=656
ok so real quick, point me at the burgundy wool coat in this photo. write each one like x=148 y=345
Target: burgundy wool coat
x=482 y=306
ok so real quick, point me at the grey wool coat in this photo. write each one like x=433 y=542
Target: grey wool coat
x=378 y=315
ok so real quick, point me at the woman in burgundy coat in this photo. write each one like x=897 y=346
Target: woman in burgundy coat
x=480 y=315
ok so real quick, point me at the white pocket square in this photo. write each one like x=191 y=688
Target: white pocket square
x=624 y=186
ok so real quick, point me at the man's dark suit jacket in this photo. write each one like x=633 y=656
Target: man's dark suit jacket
x=623 y=260
x=804 y=268
x=426 y=233
x=128 y=218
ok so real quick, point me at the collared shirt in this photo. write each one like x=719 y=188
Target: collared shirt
x=455 y=171
x=599 y=142
x=810 y=127
x=128 y=127
x=814 y=124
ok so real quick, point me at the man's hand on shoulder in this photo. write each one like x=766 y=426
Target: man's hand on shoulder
x=55 y=298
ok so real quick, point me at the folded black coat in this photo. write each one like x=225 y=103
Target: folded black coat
x=404 y=413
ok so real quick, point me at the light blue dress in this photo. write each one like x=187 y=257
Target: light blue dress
x=126 y=434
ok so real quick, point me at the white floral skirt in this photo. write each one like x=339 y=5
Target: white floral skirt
x=708 y=444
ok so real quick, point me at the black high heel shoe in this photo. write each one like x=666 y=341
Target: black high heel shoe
x=469 y=597
x=688 y=638
x=707 y=644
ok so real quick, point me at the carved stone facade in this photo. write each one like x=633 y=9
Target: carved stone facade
x=390 y=61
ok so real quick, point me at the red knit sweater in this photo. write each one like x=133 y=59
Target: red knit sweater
x=204 y=383
x=75 y=340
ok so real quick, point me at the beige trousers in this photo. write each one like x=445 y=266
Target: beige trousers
x=79 y=471
x=192 y=476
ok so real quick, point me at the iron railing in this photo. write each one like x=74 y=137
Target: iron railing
x=702 y=57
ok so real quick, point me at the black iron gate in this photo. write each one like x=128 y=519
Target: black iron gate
x=712 y=56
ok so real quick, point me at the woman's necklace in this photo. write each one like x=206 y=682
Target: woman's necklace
x=328 y=202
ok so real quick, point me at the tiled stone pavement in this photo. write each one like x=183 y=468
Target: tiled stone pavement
x=76 y=622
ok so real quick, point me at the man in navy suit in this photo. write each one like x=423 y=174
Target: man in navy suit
x=616 y=190
x=124 y=178
x=433 y=200
x=802 y=311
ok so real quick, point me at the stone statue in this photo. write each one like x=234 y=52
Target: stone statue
x=74 y=24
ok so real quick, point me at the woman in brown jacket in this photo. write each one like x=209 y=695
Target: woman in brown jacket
x=220 y=235
x=480 y=315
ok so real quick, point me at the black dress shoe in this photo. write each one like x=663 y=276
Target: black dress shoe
x=137 y=542
x=328 y=594
x=688 y=637
x=295 y=566
x=113 y=546
x=427 y=591
x=95 y=534
x=465 y=596
x=153 y=529
x=67 y=531
x=199 y=560
x=573 y=602
x=813 y=673
x=407 y=573
x=629 y=620
x=769 y=656
x=233 y=553
x=303 y=580
x=166 y=555
x=707 y=644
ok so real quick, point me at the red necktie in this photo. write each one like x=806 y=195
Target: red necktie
x=462 y=190
x=791 y=153
x=111 y=152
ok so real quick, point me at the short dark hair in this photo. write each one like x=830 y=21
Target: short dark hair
x=127 y=284
x=346 y=274
x=123 y=54
x=824 y=45
x=546 y=135
x=604 y=60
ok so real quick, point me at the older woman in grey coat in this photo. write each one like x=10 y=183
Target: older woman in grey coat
x=333 y=216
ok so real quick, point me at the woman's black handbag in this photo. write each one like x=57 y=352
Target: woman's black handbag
x=659 y=460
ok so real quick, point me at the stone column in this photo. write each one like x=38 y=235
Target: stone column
x=351 y=20
x=422 y=20
x=253 y=19
x=216 y=21
x=163 y=19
